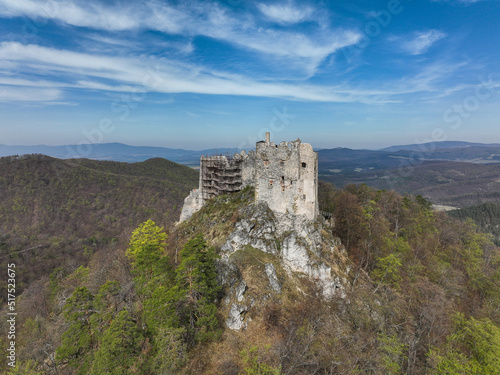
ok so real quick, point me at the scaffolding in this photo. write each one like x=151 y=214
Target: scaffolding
x=220 y=174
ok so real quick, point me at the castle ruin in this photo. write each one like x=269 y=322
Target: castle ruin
x=284 y=175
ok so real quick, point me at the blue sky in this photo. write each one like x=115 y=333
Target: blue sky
x=203 y=74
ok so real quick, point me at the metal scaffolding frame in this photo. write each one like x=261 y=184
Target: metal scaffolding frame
x=220 y=174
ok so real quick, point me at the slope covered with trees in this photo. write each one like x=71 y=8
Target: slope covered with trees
x=486 y=216
x=56 y=213
x=452 y=183
x=422 y=296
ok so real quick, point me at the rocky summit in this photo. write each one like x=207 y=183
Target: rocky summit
x=263 y=252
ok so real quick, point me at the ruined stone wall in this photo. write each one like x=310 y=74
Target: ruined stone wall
x=308 y=181
x=248 y=168
x=286 y=177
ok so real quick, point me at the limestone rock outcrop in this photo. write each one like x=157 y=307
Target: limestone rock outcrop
x=295 y=240
x=192 y=203
x=267 y=256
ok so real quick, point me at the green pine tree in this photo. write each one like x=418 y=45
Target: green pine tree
x=106 y=303
x=119 y=347
x=77 y=340
x=151 y=265
x=170 y=349
x=193 y=297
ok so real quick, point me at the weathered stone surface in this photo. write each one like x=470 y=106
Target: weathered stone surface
x=228 y=273
x=240 y=290
x=273 y=278
x=192 y=203
x=255 y=230
x=331 y=284
x=286 y=177
x=294 y=254
x=236 y=317
x=295 y=239
x=301 y=246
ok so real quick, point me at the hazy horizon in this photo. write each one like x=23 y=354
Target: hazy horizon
x=235 y=148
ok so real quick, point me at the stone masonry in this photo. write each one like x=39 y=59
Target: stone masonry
x=284 y=175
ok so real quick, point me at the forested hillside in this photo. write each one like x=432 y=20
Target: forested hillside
x=486 y=216
x=57 y=213
x=450 y=183
x=422 y=297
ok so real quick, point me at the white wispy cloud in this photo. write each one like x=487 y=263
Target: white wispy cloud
x=190 y=19
x=286 y=13
x=136 y=74
x=244 y=31
x=135 y=69
x=28 y=94
x=87 y=14
x=460 y=1
x=421 y=41
x=132 y=74
x=433 y=77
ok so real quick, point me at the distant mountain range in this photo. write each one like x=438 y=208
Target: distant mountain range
x=438 y=145
x=344 y=160
x=336 y=158
x=113 y=152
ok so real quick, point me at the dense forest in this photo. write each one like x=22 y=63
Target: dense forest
x=486 y=216
x=422 y=295
x=57 y=213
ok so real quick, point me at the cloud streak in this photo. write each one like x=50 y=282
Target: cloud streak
x=422 y=41
x=460 y=1
x=286 y=14
x=83 y=14
x=191 y=19
x=106 y=61
x=135 y=74
x=28 y=94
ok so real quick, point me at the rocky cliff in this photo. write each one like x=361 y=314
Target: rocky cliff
x=265 y=255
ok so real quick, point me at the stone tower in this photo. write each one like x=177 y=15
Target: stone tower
x=286 y=177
